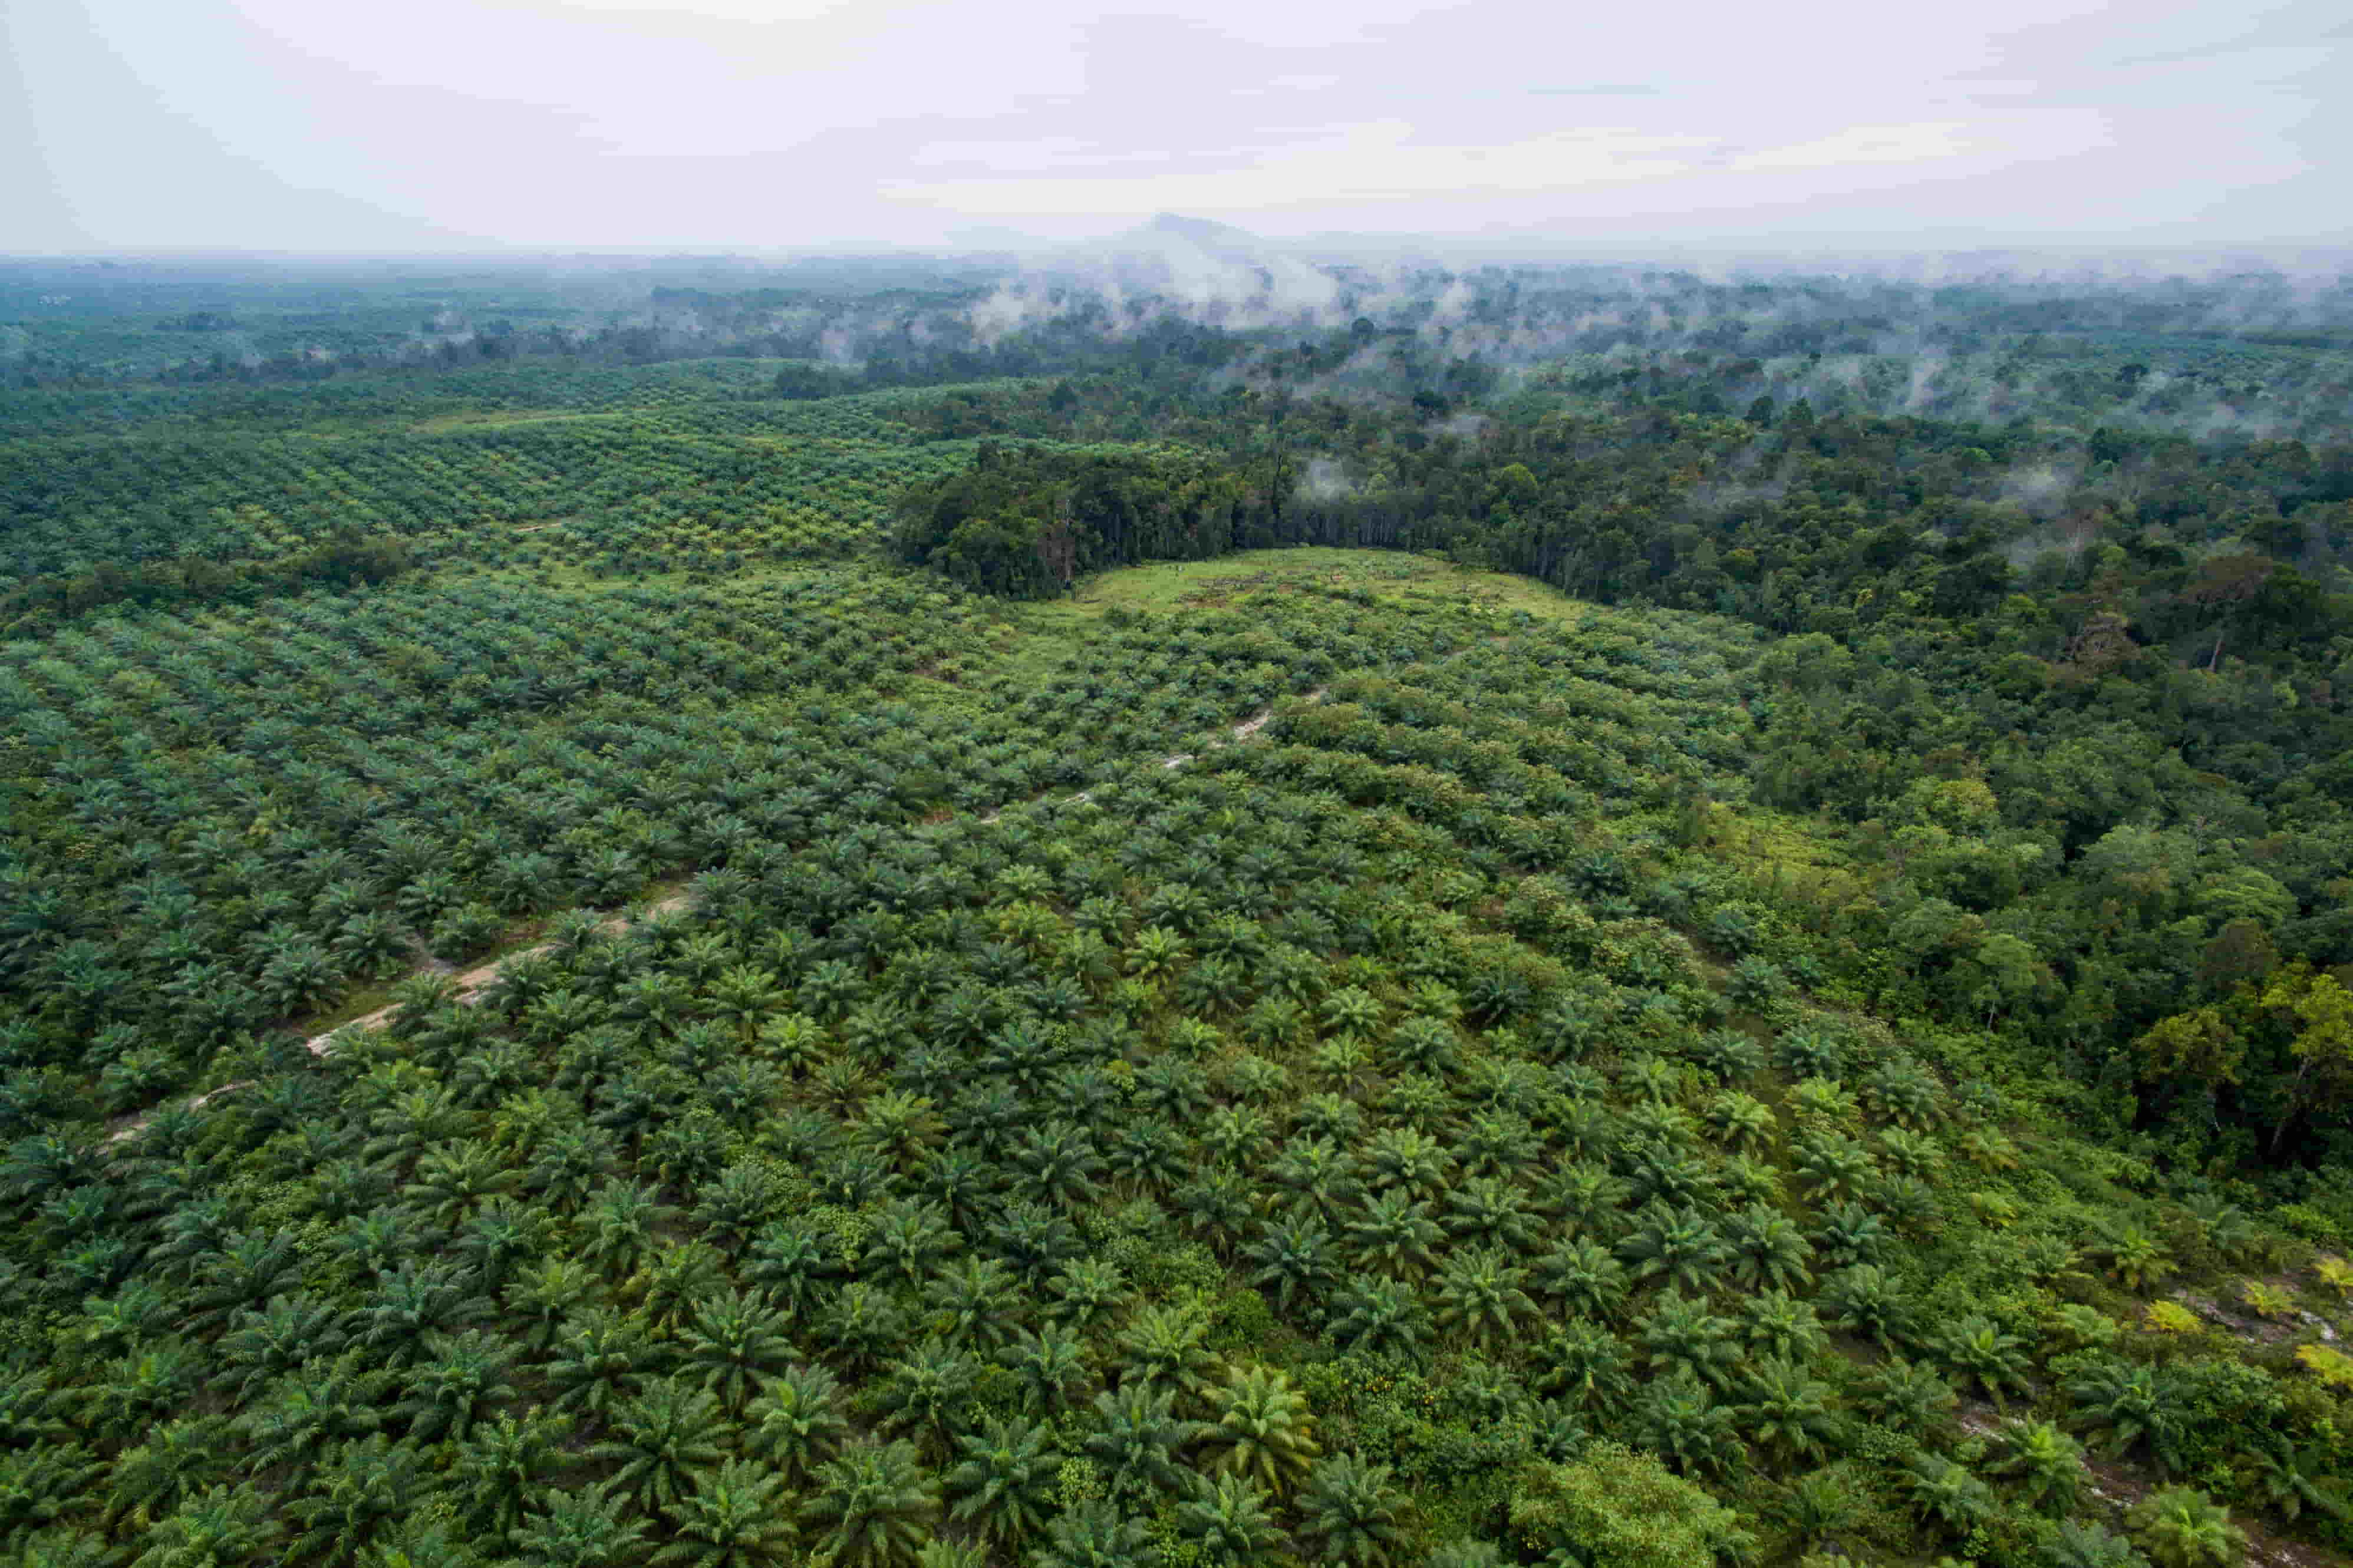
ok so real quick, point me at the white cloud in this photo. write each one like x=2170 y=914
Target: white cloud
x=1863 y=144
x=1376 y=162
x=758 y=123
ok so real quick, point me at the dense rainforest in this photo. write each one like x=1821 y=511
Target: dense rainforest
x=921 y=913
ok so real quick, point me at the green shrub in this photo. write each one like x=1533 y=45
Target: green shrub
x=1615 y=1508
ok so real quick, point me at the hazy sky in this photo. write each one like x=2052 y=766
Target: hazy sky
x=324 y=125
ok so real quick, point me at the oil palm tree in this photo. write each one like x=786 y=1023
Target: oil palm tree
x=2046 y=1464
x=732 y=1342
x=1907 y=1397
x=1946 y=1493
x=1682 y=1335
x=500 y=1241
x=367 y=1484
x=1057 y=1165
x=1786 y=1410
x=1741 y=1122
x=2293 y=1477
x=1395 y=1236
x=2130 y=1408
x=1979 y=1350
x=1295 y=1256
x=172 y=1463
x=1318 y=1178
x=1403 y=1160
x=1677 y=1419
x=1216 y=1206
x=2135 y=1256
x=738 y=1206
x=44 y=1486
x=862 y=1327
x=922 y=1396
x=543 y=1294
x=1866 y=1299
x=454 y=1179
x=1480 y=1296
x=249 y=1268
x=1768 y=1251
x=617 y=1225
x=2091 y=1546
x=2181 y=1527
x=1850 y=1235
x=677 y=1279
x=1376 y=1317
x=1260 y=1429
x=1817 y=1507
x=588 y=1527
x=1051 y=1366
x=302 y=1414
x=1585 y=1365
x=1582 y=1278
x=792 y=1264
x=1086 y=1290
x=874 y=1506
x=1004 y=1486
x=1033 y=1240
x=974 y=1302
x=796 y=1424
x=220 y=1528
x=665 y=1441
x=901 y=1128
x=462 y=1378
x=1145 y=1155
x=1229 y=1523
x=1348 y=1513
x=1093 y=1534
x=908 y=1242
x=1679 y=1246
x=733 y=1520
x=600 y=1361
x=1835 y=1166
x=1493 y=1212
x=286 y=1332
x=500 y=1466
x=1136 y=1440
x=1165 y=1345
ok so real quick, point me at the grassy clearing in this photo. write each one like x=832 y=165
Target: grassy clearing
x=1031 y=642
x=357 y=1003
x=496 y=419
x=1047 y=631
x=1385 y=574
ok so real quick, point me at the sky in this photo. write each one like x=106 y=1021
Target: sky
x=757 y=125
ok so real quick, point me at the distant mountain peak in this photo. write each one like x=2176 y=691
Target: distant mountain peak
x=1203 y=262
x=1201 y=231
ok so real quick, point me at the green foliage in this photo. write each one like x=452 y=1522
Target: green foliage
x=874 y=1506
x=1348 y=1511
x=2043 y=1464
x=1615 y=1508
x=2181 y=1527
x=1261 y=1429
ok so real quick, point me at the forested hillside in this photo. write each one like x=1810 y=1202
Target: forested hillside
x=917 y=916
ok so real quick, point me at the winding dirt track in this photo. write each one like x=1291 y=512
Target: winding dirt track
x=474 y=982
x=1242 y=731
x=470 y=987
